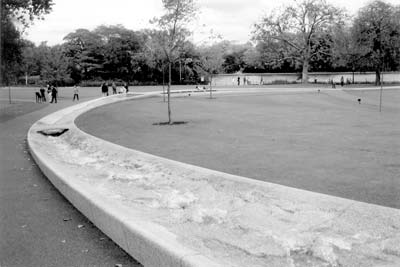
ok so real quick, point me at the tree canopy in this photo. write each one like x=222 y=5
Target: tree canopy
x=294 y=34
x=307 y=35
x=376 y=33
x=11 y=43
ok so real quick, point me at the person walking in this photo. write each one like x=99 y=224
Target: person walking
x=76 y=93
x=341 y=81
x=54 y=93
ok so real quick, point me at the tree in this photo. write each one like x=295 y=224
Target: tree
x=10 y=39
x=84 y=52
x=211 y=60
x=30 y=64
x=11 y=54
x=376 y=33
x=172 y=34
x=121 y=49
x=294 y=33
x=53 y=66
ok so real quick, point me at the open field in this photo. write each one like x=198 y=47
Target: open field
x=323 y=142
x=22 y=93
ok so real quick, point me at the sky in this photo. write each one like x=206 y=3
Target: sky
x=232 y=19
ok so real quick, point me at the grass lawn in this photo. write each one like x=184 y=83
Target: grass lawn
x=317 y=142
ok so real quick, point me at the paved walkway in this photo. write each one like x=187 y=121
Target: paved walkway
x=38 y=226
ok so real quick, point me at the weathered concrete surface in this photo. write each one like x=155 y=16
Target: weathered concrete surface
x=166 y=213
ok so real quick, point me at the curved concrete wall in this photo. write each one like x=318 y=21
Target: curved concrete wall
x=167 y=213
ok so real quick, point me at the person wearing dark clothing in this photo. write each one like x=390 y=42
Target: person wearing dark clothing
x=238 y=80
x=341 y=81
x=53 y=94
x=76 y=93
x=42 y=93
x=126 y=87
x=104 y=89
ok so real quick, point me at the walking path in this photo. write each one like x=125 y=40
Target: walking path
x=38 y=226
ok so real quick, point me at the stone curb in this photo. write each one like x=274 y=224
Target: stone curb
x=148 y=243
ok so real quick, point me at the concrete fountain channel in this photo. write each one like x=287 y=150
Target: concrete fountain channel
x=167 y=213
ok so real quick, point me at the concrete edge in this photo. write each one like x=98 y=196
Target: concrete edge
x=150 y=244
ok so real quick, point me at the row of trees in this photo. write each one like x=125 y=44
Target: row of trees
x=313 y=34
x=117 y=53
x=309 y=35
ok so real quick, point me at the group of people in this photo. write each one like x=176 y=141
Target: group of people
x=51 y=92
x=246 y=81
x=122 y=90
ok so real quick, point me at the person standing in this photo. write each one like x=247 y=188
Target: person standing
x=54 y=93
x=126 y=87
x=104 y=89
x=114 y=88
x=76 y=93
x=49 y=91
x=43 y=93
x=341 y=81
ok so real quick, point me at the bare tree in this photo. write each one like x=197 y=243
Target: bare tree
x=211 y=60
x=294 y=31
x=172 y=34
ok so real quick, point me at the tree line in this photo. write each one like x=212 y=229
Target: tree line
x=308 y=35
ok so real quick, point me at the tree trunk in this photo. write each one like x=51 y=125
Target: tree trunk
x=163 y=81
x=169 y=93
x=377 y=77
x=1 y=45
x=304 y=76
x=211 y=86
x=180 y=72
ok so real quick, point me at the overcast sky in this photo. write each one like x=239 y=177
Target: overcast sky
x=233 y=19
